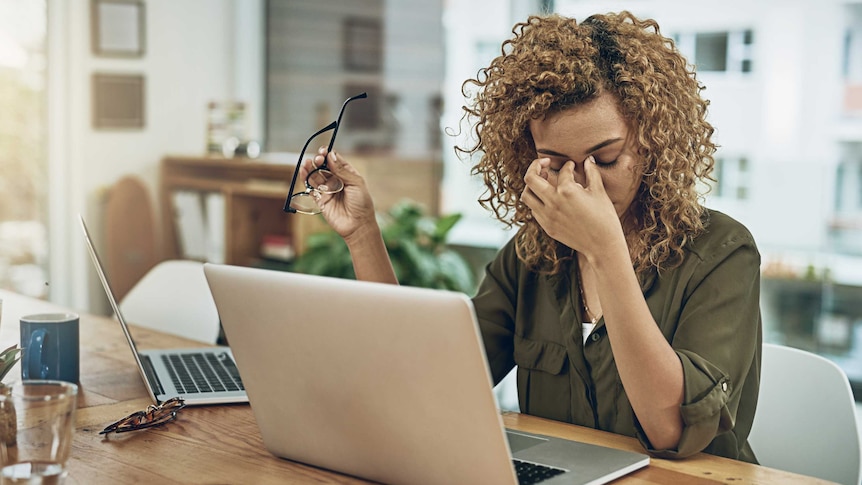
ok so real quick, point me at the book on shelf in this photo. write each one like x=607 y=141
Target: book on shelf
x=200 y=223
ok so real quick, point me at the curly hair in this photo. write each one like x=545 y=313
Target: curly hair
x=553 y=63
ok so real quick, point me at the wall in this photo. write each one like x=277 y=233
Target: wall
x=196 y=51
x=470 y=46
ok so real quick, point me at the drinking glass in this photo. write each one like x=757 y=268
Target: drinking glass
x=37 y=423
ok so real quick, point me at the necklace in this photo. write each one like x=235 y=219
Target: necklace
x=587 y=311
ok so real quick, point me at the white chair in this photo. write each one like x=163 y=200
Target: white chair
x=506 y=392
x=806 y=416
x=174 y=297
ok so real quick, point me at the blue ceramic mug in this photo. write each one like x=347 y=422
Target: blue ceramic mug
x=50 y=347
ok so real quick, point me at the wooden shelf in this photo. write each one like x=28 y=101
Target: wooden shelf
x=254 y=193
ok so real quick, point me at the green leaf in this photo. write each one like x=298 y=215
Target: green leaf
x=416 y=244
x=8 y=358
x=444 y=225
x=458 y=275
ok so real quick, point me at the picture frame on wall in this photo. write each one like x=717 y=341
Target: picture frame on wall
x=118 y=101
x=362 y=48
x=118 y=28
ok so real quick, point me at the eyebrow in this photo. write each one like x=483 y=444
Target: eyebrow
x=592 y=149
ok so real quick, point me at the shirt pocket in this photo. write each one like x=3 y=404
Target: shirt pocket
x=543 y=387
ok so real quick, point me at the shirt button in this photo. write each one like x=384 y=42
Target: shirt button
x=595 y=337
x=724 y=386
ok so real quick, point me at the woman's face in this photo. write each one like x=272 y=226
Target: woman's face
x=596 y=128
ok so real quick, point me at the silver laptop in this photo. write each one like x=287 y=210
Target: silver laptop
x=383 y=382
x=205 y=375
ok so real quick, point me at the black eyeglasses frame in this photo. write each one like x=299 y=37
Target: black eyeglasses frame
x=332 y=126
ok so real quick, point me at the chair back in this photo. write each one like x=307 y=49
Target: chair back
x=174 y=297
x=806 y=416
x=130 y=240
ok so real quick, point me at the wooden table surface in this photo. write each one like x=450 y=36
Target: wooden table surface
x=221 y=444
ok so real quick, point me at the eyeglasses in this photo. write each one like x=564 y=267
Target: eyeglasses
x=319 y=181
x=152 y=416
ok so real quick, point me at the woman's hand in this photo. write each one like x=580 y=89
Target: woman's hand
x=350 y=213
x=581 y=216
x=352 y=208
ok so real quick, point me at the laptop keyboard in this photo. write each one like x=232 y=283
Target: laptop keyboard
x=203 y=372
x=529 y=473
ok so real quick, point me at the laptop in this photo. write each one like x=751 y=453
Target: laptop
x=205 y=375
x=383 y=382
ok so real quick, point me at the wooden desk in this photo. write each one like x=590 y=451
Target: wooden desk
x=221 y=444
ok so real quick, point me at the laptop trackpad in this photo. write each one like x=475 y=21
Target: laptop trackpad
x=519 y=442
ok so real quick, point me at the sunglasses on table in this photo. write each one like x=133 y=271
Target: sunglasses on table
x=319 y=181
x=152 y=416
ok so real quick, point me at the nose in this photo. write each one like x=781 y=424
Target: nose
x=580 y=174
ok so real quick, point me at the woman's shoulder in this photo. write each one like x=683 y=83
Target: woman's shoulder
x=723 y=235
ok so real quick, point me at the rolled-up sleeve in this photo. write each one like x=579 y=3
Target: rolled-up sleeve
x=717 y=339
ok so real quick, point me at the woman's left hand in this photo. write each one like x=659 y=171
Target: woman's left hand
x=580 y=216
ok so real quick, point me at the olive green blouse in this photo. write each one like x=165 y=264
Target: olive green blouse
x=707 y=308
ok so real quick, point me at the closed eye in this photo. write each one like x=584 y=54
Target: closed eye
x=603 y=164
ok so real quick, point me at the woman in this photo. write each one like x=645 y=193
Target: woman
x=625 y=304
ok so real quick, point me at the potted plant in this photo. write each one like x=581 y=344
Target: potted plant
x=417 y=248
x=8 y=428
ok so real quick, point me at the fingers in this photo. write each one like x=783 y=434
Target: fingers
x=538 y=174
x=305 y=168
x=310 y=164
x=594 y=177
x=536 y=180
x=317 y=161
x=336 y=164
x=529 y=198
x=567 y=173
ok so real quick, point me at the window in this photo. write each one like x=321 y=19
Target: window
x=851 y=62
x=726 y=51
x=23 y=156
x=710 y=51
x=732 y=175
x=848 y=187
x=845 y=229
x=363 y=44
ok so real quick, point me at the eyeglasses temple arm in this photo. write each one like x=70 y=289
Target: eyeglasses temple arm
x=338 y=123
x=331 y=126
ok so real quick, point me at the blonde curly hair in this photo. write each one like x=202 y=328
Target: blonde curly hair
x=553 y=63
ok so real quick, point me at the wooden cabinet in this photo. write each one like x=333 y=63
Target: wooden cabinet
x=253 y=194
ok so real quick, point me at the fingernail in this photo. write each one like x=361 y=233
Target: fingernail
x=591 y=159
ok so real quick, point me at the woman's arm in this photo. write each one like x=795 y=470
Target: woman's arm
x=351 y=214
x=583 y=218
x=649 y=368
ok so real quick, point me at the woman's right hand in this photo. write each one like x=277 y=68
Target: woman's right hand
x=350 y=209
x=351 y=214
